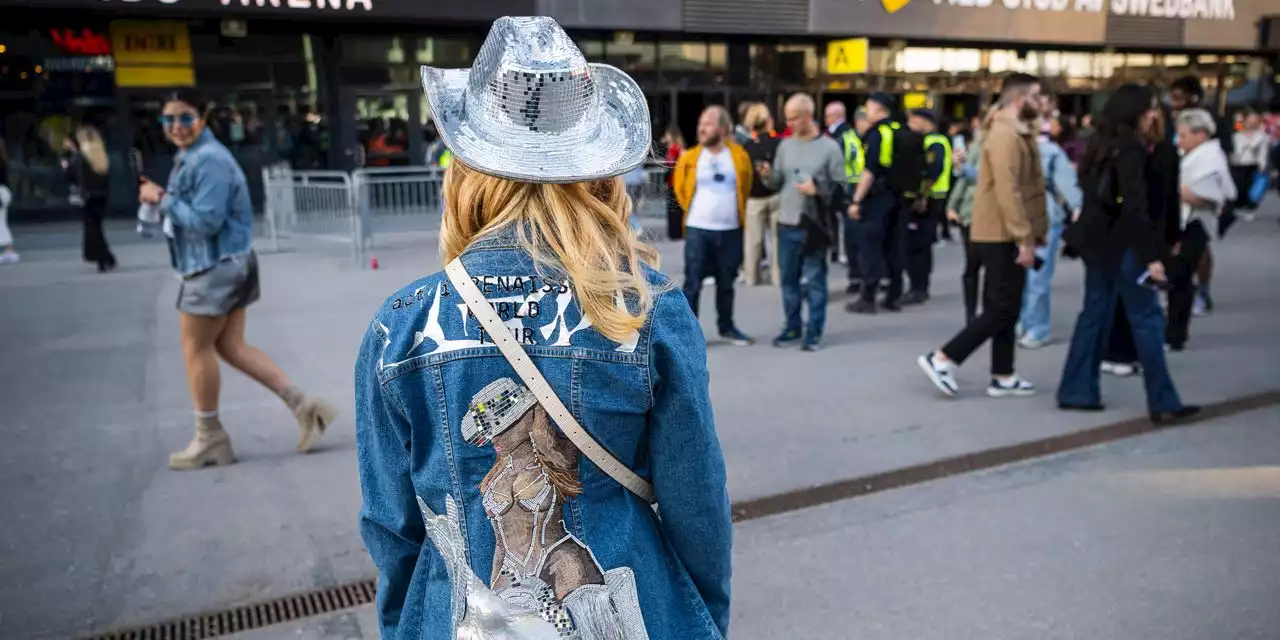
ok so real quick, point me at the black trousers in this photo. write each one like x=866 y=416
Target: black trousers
x=1181 y=272
x=675 y=219
x=969 y=278
x=920 y=232
x=1120 y=346
x=1001 y=302
x=880 y=246
x=717 y=254
x=95 y=247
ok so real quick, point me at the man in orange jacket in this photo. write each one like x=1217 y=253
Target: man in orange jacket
x=711 y=182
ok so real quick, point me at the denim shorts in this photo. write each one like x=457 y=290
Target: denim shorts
x=229 y=285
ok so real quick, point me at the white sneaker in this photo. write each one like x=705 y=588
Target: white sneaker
x=940 y=373
x=1028 y=342
x=10 y=257
x=1119 y=369
x=1200 y=308
x=1013 y=386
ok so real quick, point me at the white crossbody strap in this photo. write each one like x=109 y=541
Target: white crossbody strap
x=528 y=372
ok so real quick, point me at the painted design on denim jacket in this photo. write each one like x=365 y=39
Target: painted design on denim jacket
x=539 y=567
x=536 y=310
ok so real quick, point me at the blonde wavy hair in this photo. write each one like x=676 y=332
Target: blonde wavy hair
x=580 y=230
x=93 y=149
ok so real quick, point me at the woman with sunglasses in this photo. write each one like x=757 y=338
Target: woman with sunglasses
x=208 y=219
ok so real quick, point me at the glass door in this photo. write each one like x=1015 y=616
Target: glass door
x=383 y=128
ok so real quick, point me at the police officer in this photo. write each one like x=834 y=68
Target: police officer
x=875 y=207
x=929 y=209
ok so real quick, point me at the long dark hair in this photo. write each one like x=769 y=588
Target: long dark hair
x=1116 y=126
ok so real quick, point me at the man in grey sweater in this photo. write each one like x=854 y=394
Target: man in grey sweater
x=808 y=171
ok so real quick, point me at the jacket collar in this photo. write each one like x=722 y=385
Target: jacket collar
x=1018 y=125
x=205 y=138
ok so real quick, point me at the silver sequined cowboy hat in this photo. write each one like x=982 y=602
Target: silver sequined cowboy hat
x=532 y=109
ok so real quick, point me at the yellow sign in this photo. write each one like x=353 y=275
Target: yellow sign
x=915 y=100
x=847 y=56
x=150 y=42
x=892 y=6
x=158 y=77
x=152 y=53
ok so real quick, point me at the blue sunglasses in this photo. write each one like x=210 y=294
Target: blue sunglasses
x=187 y=120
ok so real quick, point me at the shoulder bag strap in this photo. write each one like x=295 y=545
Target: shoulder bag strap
x=528 y=372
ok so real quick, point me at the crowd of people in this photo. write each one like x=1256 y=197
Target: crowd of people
x=1137 y=192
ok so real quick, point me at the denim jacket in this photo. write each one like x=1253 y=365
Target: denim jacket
x=208 y=202
x=442 y=418
x=1060 y=177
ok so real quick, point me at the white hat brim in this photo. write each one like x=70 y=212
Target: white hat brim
x=502 y=148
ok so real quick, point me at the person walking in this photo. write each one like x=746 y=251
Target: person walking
x=1164 y=204
x=1063 y=201
x=86 y=166
x=1121 y=246
x=875 y=206
x=1249 y=161
x=762 y=206
x=809 y=173
x=1188 y=93
x=510 y=458
x=7 y=254
x=712 y=182
x=1206 y=187
x=673 y=141
x=1008 y=223
x=960 y=212
x=208 y=219
x=930 y=209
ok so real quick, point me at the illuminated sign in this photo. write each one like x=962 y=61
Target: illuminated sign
x=152 y=53
x=847 y=56
x=1177 y=9
x=84 y=43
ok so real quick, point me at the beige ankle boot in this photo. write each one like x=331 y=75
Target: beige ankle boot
x=314 y=415
x=211 y=445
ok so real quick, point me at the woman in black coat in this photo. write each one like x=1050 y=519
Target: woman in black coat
x=1121 y=358
x=1122 y=243
x=86 y=166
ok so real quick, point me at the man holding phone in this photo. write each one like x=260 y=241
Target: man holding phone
x=808 y=171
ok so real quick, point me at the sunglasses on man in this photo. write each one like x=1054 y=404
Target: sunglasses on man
x=184 y=119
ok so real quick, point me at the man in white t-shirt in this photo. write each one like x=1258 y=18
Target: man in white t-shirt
x=711 y=183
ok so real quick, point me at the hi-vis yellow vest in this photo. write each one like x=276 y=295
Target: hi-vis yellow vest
x=886 y=143
x=943 y=183
x=446 y=157
x=855 y=158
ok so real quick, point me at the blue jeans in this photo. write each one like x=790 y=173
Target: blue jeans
x=798 y=263
x=1101 y=290
x=1036 y=319
x=717 y=254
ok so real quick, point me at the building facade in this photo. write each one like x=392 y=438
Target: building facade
x=334 y=83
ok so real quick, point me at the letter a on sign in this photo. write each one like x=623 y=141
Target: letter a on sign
x=847 y=56
x=892 y=6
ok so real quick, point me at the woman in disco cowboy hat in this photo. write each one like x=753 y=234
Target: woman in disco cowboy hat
x=521 y=413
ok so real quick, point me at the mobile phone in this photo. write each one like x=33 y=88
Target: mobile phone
x=1038 y=264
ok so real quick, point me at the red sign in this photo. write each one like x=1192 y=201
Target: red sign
x=85 y=43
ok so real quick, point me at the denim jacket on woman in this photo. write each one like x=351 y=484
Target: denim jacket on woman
x=208 y=201
x=435 y=399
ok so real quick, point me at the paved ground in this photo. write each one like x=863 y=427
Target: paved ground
x=1170 y=536
x=98 y=535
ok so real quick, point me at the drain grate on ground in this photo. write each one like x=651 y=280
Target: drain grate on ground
x=254 y=616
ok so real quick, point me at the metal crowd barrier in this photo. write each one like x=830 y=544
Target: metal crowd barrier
x=385 y=204
x=309 y=205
